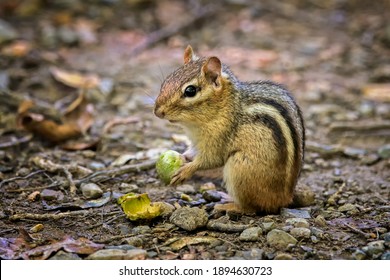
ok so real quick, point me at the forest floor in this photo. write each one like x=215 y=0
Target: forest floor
x=97 y=66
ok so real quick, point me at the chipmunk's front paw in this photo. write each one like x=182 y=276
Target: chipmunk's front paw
x=183 y=174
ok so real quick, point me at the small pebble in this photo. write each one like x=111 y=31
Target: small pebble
x=134 y=241
x=280 y=239
x=320 y=220
x=386 y=236
x=374 y=248
x=295 y=213
x=189 y=218
x=298 y=222
x=212 y=196
x=50 y=195
x=118 y=254
x=61 y=255
x=386 y=256
x=384 y=151
x=141 y=230
x=96 y=165
x=128 y=188
x=251 y=234
x=317 y=232
x=347 y=207
x=91 y=191
x=301 y=232
x=23 y=172
x=7 y=32
x=268 y=226
x=187 y=189
x=207 y=187
x=358 y=255
x=314 y=239
x=283 y=256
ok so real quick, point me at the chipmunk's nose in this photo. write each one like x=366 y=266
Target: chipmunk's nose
x=159 y=112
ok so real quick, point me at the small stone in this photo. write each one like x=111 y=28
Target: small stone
x=280 y=239
x=212 y=196
x=314 y=239
x=118 y=254
x=358 y=255
x=384 y=151
x=189 y=218
x=167 y=209
x=7 y=32
x=298 y=222
x=374 y=248
x=91 y=191
x=96 y=165
x=141 y=230
x=386 y=256
x=124 y=229
x=295 y=213
x=207 y=187
x=301 y=232
x=256 y=254
x=386 y=237
x=128 y=188
x=317 y=232
x=23 y=172
x=50 y=195
x=187 y=189
x=61 y=255
x=283 y=256
x=134 y=241
x=67 y=35
x=251 y=234
x=320 y=220
x=106 y=86
x=347 y=207
x=268 y=226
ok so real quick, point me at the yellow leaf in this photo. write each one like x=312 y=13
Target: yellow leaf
x=74 y=79
x=139 y=207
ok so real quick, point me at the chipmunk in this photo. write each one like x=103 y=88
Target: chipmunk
x=254 y=130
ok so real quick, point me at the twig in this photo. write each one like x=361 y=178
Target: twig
x=169 y=31
x=14 y=141
x=366 y=235
x=43 y=217
x=119 y=171
x=115 y=237
x=21 y=178
x=69 y=177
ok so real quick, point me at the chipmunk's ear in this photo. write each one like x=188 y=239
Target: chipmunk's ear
x=189 y=55
x=211 y=70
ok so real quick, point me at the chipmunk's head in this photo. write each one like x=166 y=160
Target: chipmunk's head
x=192 y=92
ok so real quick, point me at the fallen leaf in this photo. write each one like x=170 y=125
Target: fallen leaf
x=17 y=49
x=139 y=207
x=79 y=246
x=74 y=79
x=78 y=118
x=377 y=92
x=177 y=244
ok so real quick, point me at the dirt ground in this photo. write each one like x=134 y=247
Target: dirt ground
x=334 y=56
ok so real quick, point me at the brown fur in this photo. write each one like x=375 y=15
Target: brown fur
x=255 y=130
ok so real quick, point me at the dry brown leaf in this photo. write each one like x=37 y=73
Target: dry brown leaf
x=377 y=92
x=80 y=145
x=17 y=49
x=77 y=120
x=75 y=79
x=80 y=113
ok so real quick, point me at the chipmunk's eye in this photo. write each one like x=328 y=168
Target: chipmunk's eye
x=190 y=91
